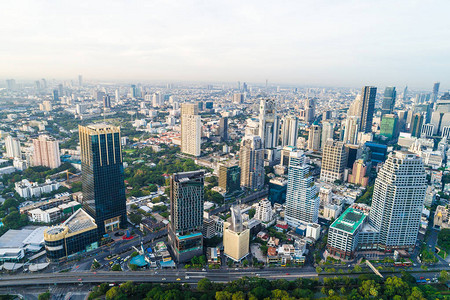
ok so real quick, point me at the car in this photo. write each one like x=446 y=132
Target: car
x=163 y=279
x=178 y=279
x=203 y=269
x=236 y=269
x=257 y=275
x=422 y=278
x=79 y=279
x=186 y=277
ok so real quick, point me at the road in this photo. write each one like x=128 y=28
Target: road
x=253 y=197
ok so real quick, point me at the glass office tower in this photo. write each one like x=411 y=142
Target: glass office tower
x=102 y=176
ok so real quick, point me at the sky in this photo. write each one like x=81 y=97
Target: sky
x=311 y=43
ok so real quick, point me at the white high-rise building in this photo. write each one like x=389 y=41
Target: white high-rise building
x=12 y=147
x=327 y=132
x=264 y=211
x=351 y=130
x=268 y=123
x=46 y=152
x=334 y=159
x=354 y=109
x=191 y=127
x=158 y=99
x=314 y=138
x=289 y=131
x=397 y=201
x=251 y=162
x=302 y=200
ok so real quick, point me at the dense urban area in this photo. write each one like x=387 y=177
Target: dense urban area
x=223 y=191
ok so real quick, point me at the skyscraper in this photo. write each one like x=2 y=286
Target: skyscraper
x=334 y=160
x=133 y=91
x=351 y=130
x=229 y=178
x=416 y=125
x=186 y=212
x=388 y=100
x=102 y=176
x=46 y=152
x=268 y=123
x=389 y=126
x=310 y=110
x=327 y=132
x=80 y=80
x=223 y=128
x=289 y=131
x=251 y=162
x=302 y=201
x=191 y=127
x=314 y=136
x=236 y=236
x=397 y=200
x=238 y=98
x=12 y=147
x=436 y=91
x=367 y=106
x=353 y=110
x=55 y=95
x=106 y=101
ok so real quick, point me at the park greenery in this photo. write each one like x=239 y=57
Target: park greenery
x=366 y=198
x=444 y=239
x=363 y=287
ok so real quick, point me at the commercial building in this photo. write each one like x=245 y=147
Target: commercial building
x=359 y=174
x=103 y=176
x=269 y=123
x=251 y=162
x=46 y=152
x=76 y=235
x=389 y=126
x=186 y=212
x=327 y=132
x=310 y=110
x=191 y=126
x=223 y=128
x=277 y=190
x=334 y=160
x=302 y=201
x=416 y=125
x=229 y=178
x=14 y=244
x=388 y=104
x=377 y=152
x=351 y=130
x=236 y=236
x=367 y=107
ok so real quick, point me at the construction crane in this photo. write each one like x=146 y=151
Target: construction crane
x=67 y=173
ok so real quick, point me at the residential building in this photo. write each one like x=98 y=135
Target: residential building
x=46 y=152
x=351 y=130
x=186 y=211
x=12 y=147
x=251 y=162
x=264 y=211
x=310 y=110
x=302 y=201
x=191 y=127
x=327 y=132
x=314 y=138
x=359 y=174
x=289 y=131
x=334 y=160
x=103 y=177
x=268 y=123
x=27 y=189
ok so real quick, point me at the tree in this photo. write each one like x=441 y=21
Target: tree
x=44 y=296
x=224 y=295
x=113 y=293
x=319 y=270
x=260 y=292
x=245 y=263
x=10 y=202
x=395 y=286
x=416 y=294
x=369 y=288
x=239 y=295
x=135 y=218
x=134 y=267
x=357 y=268
x=443 y=276
x=251 y=213
x=116 y=267
x=204 y=285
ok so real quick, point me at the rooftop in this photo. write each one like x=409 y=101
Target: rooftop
x=79 y=221
x=350 y=220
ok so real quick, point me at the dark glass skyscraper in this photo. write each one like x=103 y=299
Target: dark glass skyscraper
x=367 y=107
x=186 y=210
x=102 y=176
x=388 y=100
x=436 y=91
x=223 y=128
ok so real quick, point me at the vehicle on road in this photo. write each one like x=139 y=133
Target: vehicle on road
x=204 y=270
x=163 y=278
x=178 y=279
x=186 y=277
x=79 y=279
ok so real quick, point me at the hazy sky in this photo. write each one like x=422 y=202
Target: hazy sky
x=335 y=42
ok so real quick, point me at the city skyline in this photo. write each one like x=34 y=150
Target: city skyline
x=258 y=41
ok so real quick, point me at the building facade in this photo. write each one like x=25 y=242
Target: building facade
x=314 y=138
x=230 y=178
x=251 y=162
x=334 y=160
x=390 y=94
x=46 y=152
x=289 y=131
x=236 y=236
x=367 y=107
x=191 y=126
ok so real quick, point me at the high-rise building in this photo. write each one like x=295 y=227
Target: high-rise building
x=133 y=91
x=117 y=96
x=46 y=152
x=268 y=123
x=12 y=147
x=236 y=236
x=358 y=175
x=157 y=99
x=302 y=201
x=367 y=107
x=416 y=125
x=427 y=130
x=46 y=105
x=99 y=95
x=314 y=136
x=102 y=176
x=106 y=101
x=191 y=126
x=388 y=100
x=405 y=93
x=289 y=131
x=310 y=110
x=436 y=91
x=327 y=132
x=229 y=178
x=397 y=200
x=55 y=95
x=251 y=162
x=238 y=98
x=186 y=212
x=223 y=128
x=354 y=109
x=389 y=126
x=351 y=130
x=334 y=160
x=10 y=84
x=80 y=80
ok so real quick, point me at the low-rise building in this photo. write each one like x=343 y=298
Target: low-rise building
x=27 y=189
